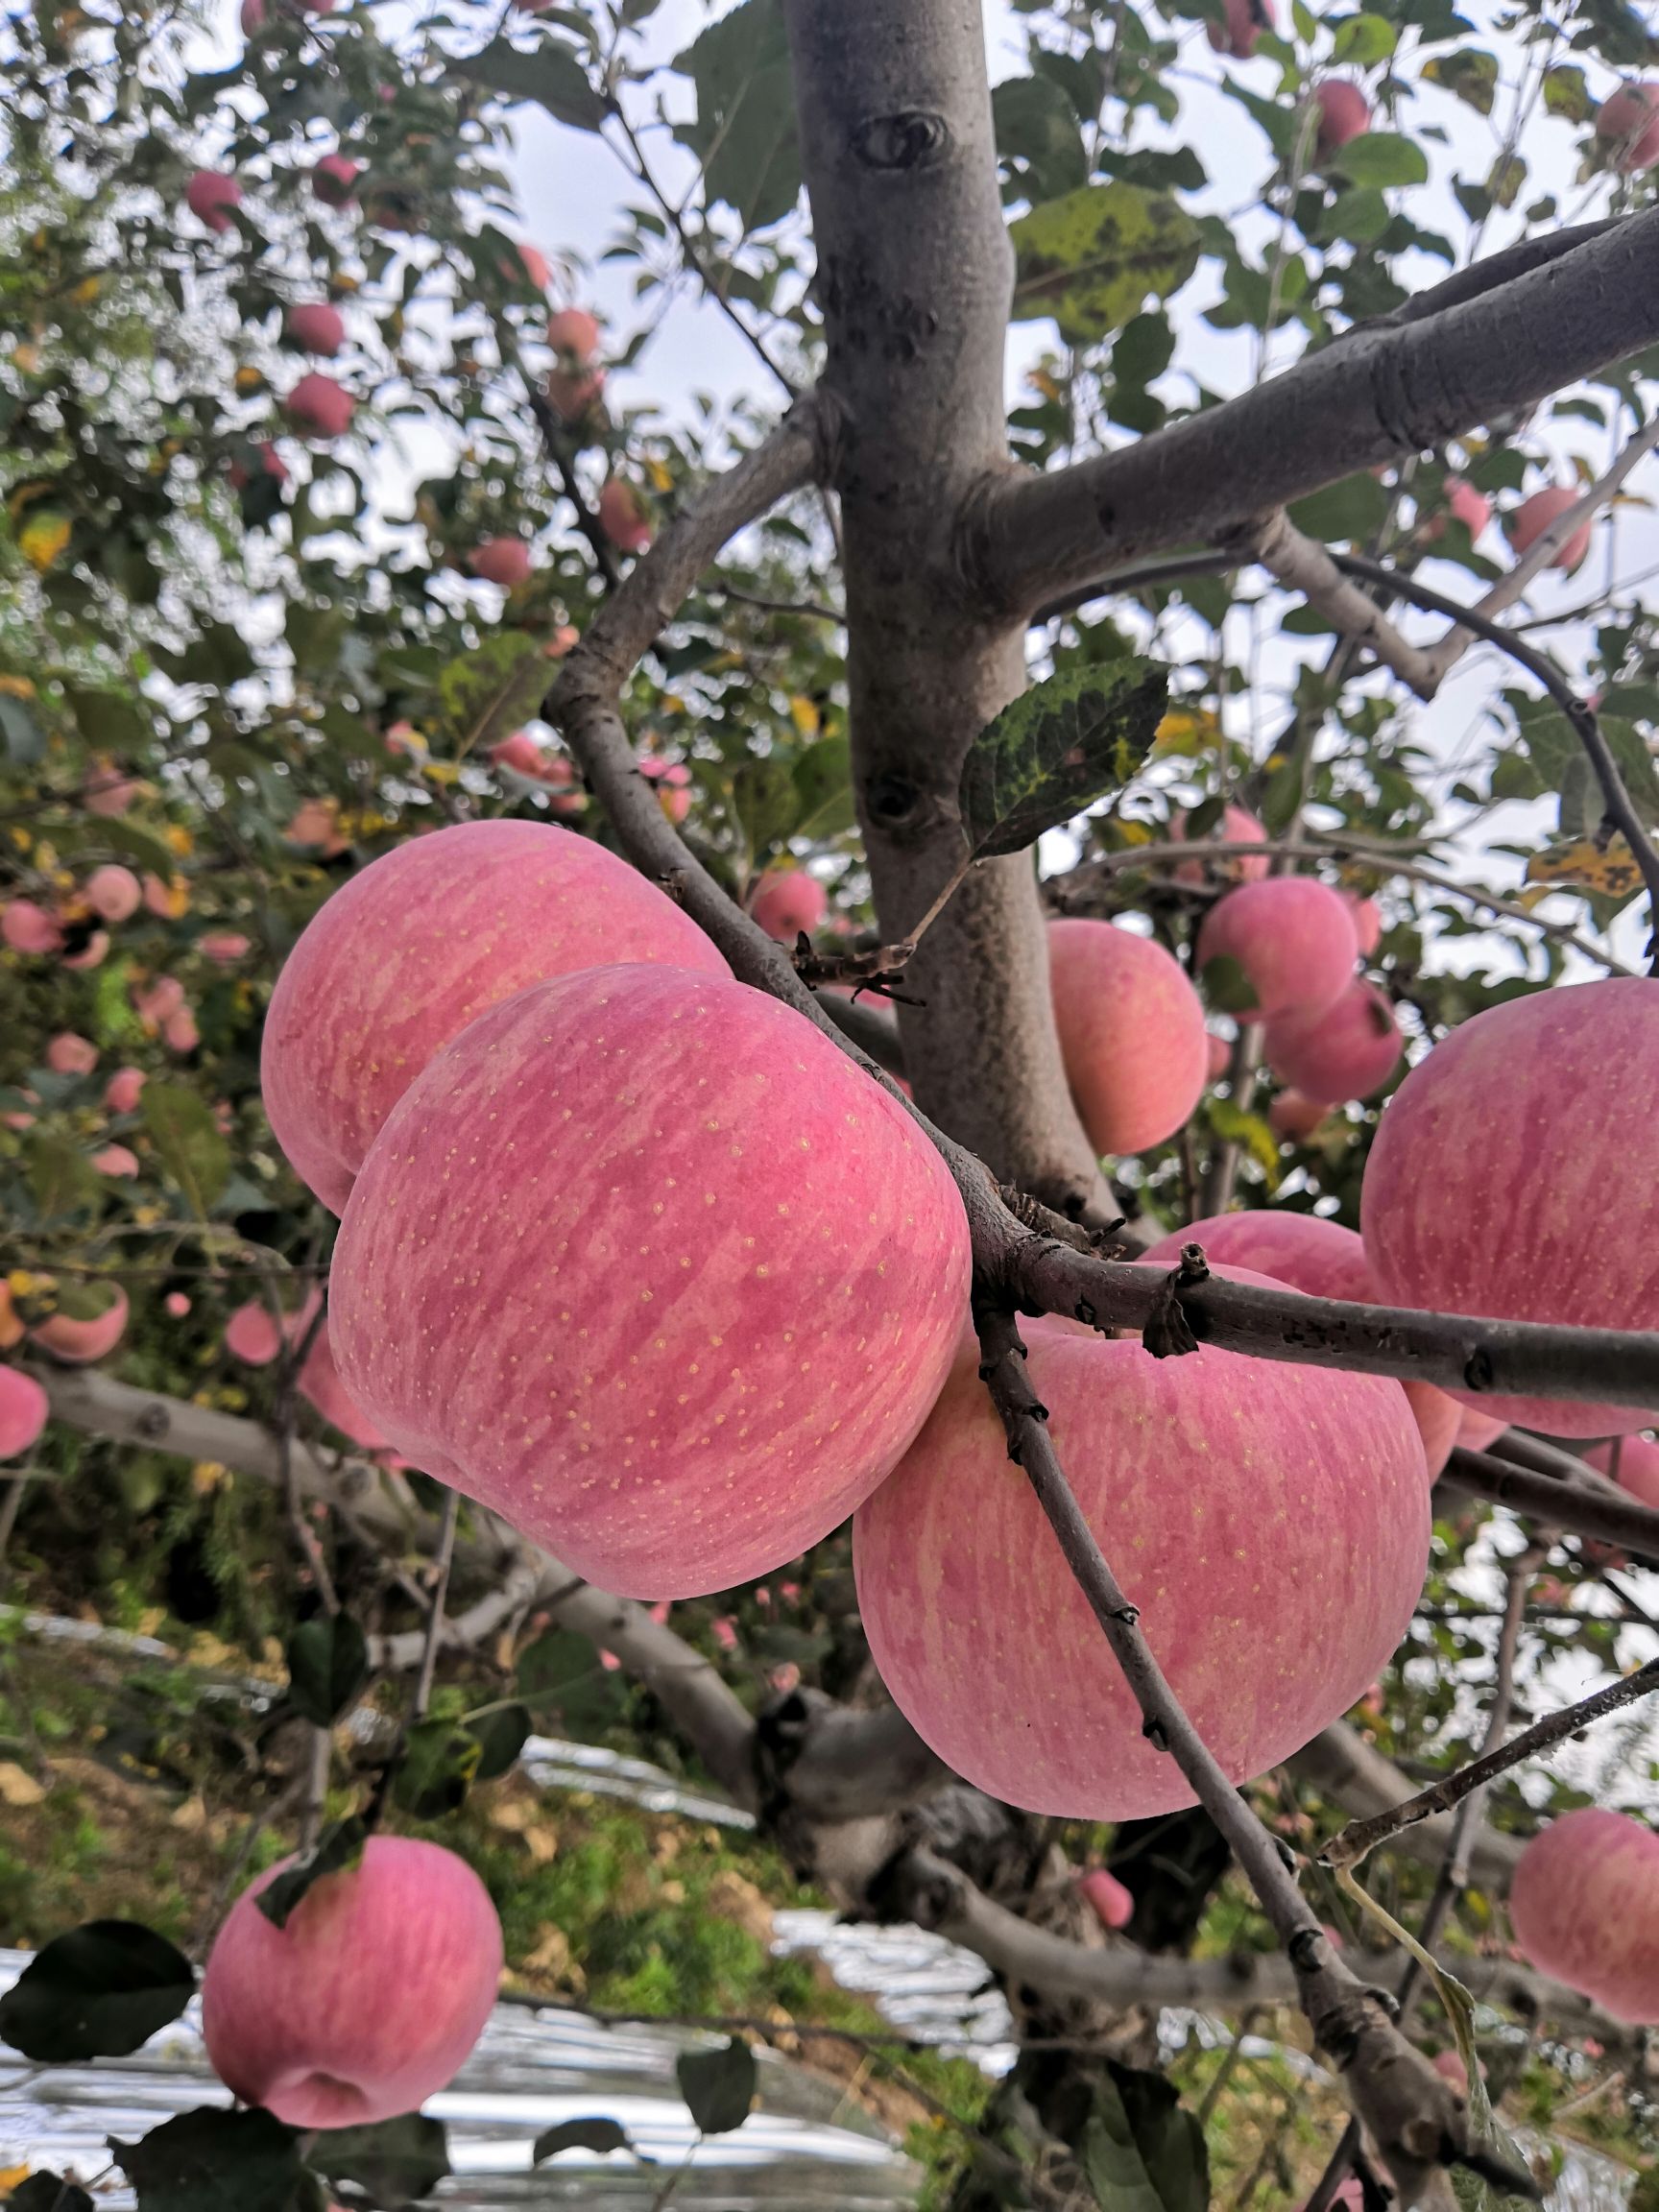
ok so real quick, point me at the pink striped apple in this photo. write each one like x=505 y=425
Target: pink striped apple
x=1131 y=1034
x=113 y=893
x=1633 y=1462
x=1584 y=1904
x=788 y=902
x=1345 y=1050
x=1293 y=938
x=23 y=1411
x=78 y=1343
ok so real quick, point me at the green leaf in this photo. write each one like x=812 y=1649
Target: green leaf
x=207 y=2160
x=328 y=1666
x=184 y=1132
x=139 y=844
x=766 y=804
x=1380 y=157
x=1092 y=258
x=486 y=694
x=393 y=2164
x=219 y=658
x=20 y=731
x=97 y=1992
x=1226 y=986
x=1350 y=510
x=1142 y=2150
x=502 y=1737
x=1364 y=41
x=718 y=2085
x=1255 y=1136
x=1567 y=94
x=62 y=1180
x=107 y=721
x=1471 y=74
x=1056 y=748
x=339 y=1848
x=440 y=1762
x=45 y=2192
x=549 y=74
x=561 y=1674
x=744 y=133
x=598 y=2135
x=1037 y=127
x=824 y=789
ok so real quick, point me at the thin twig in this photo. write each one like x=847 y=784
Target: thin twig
x=441 y=1564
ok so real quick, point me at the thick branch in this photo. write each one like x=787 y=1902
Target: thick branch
x=1390 y=390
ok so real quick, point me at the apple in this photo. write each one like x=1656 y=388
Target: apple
x=251 y=1336
x=1629 y=123
x=368 y=2001
x=1237 y=826
x=257 y=455
x=27 y=927
x=157 y=1002
x=92 y=953
x=1584 y=1904
x=1472 y=508
x=122 y=1091
x=1271 y=1521
x=673 y=782
x=1218 y=1055
x=533 y=263
x=1322 y=1260
x=314 y=326
x=697 y=1284
x=210 y=196
x=1131 y=1034
x=166 y=900
x=318 y=407
x=116 y=1160
x=521 y=753
x=1344 y=113
x=1476 y=1430
x=574 y=331
x=23 y=1411
x=1513 y=1174
x=78 y=1343
x=1246 y=20
x=113 y=893
x=1367 y=922
x=1449 y=2066
x=1633 y=1462
x=67 y=1054
x=788 y=902
x=503 y=560
x=334 y=180
x=1345 y=1050
x=1111 y=1903
x=177 y=1304
x=1293 y=938
x=573 y=394
x=224 y=946
x=622 y=517
x=1534 y=516
x=420 y=943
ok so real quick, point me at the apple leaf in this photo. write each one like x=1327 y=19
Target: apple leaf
x=561 y=1671
x=182 y=1127
x=1093 y=257
x=1056 y=748
x=598 y=2136
x=487 y=693
x=440 y=1762
x=1142 y=2152
x=502 y=1737
x=338 y=1848
x=45 y=2192
x=391 y=2165
x=210 y=2158
x=718 y=2085
x=549 y=74
x=328 y=1666
x=97 y=1992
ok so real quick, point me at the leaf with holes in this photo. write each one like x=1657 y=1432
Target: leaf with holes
x=328 y=1666
x=1093 y=258
x=390 y=2165
x=718 y=2085
x=207 y=2160
x=182 y=1127
x=339 y=1848
x=1056 y=748
x=1142 y=2150
x=97 y=1992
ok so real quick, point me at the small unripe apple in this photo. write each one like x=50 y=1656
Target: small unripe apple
x=1633 y=1462
x=572 y=330
x=1345 y=1050
x=1529 y=1116
x=1111 y=1903
x=314 y=326
x=622 y=517
x=1628 y=122
x=27 y=927
x=23 y=1411
x=334 y=180
x=1534 y=516
x=1248 y=1505
x=418 y=943
x=1246 y=20
x=1293 y=938
x=1344 y=113
x=318 y=407
x=113 y=893
x=78 y=1343
x=67 y=1054
x=788 y=902
x=122 y=1091
x=368 y=2001
x=1131 y=1032
x=210 y=196
x=503 y=560
x=1238 y=827
x=1584 y=1904
x=770 y=1262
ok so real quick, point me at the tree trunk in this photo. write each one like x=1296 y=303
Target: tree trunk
x=914 y=273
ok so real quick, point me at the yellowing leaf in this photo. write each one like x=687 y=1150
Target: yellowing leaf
x=1092 y=258
x=16 y=686
x=17 y=1786
x=1186 y=730
x=1580 y=864
x=804 y=715
x=42 y=539
x=661 y=479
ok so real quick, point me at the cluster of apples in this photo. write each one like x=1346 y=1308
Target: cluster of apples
x=26 y=1316
x=75 y=926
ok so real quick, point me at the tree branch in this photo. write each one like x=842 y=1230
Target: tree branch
x=1609 y=1517
x=1391 y=388
x=1300 y=564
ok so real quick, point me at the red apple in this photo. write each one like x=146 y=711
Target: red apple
x=314 y=326
x=318 y=407
x=1534 y=516
x=27 y=927
x=622 y=517
x=1629 y=123
x=224 y=946
x=1293 y=938
x=121 y=1092
x=574 y=331
x=210 y=197
x=116 y=1160
x=67 y=1054
x=159 y=1001
x=1633 y=1462
x=78 y=1343
x=1367 y=922
x=573 y=394
x=107 y=792
x=673 y=782
x=1514 y=1174
x=1249 y=1506
x=113 y=893
x=1584 y=1904
x=1131 y=1034
x=521 y=753
x=177 y=1304
x=1476 y=1430
x=1472 y=508
x=23 y=1412
x=1345 y=1050
x=503 y=560
x=334 y=180
x=251 y=1336
x=1219 y=1055
x=1111 y=1903
x=788 y=902
x=533 y=263
x=735 y=1272
x=1237 y=826
x=1246 y=20
x=415 y=946
x=1344 y=113
x=368 y=2001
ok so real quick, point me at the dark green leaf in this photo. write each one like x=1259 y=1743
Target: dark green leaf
x=744 y=133
x=500 y=1737
x=192 y=1148
x=107 y=720
x=441 y=1761
x=1037 y=127
x=1471 y=74
x=328 y=1666
x=766 y=802
x=549 y=74
x=1226 y=986
x=1351 y=510
x=97 y=1992
x=561 y=1675
x=208 y=2160
x=62 y=1180
x=48 y=2193
x=1142 y=2150
x=1380 y=157
x=338 y=1848
x=824 y=788
x=393 y=2164
x=598 y=2136
x=487 y=693
x=1056 y=748
x=718 y=2085
x=1092 y=258
x=20 y=731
